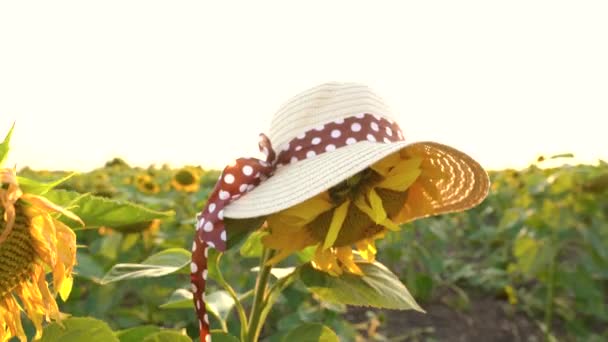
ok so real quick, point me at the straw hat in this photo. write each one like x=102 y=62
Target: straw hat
x=302 y=119
x=317 y=140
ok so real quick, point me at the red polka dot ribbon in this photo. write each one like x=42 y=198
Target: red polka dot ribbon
x=245 y=174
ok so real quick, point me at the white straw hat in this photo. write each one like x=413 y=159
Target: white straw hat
x=466 y=186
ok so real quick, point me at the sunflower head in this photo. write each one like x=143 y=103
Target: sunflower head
x=186 y=180
x=146 y=184
x=352 y=214
x=31 y=241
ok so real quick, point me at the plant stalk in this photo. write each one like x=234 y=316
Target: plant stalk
x=550 y=293
x=255 y=321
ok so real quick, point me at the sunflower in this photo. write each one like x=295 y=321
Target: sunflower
x=186 y=180
x=32 y=241
x=355 y=213
x=146 y=184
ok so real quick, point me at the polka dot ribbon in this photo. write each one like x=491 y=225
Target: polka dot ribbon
x=245 y=174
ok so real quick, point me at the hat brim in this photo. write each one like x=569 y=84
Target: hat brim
x=465 y=186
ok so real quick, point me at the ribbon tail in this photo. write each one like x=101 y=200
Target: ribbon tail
x=198 y=278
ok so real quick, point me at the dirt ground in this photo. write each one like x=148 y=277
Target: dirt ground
x=486 y=319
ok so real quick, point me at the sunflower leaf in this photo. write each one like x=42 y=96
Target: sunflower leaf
x=40 y=188
x=311 y=332
x=160 y=264
x=98 y=211
x=179 y=299
x=4 y=146
x=167 y=336
x=377 y=287
x=220 y=336
x=76 y=329
x=136 y=334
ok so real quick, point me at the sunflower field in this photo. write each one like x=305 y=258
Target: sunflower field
x=528 y=264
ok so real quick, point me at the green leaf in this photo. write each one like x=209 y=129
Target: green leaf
x=220 y=336
x=157 y=265
x=221 y=303
x=238 y=229
x=525 y=250
x=77 y=329
x=98 y=211
x=378 y=287
x=424 y=287
x=213 y=269
x=306 y=254
x=4 y=146
x=87 y=267
x=40 y=188
x=252 y=248
x=137 y=334
x=167 y=336
x=311 y=332
x=277 y=272
x=179 y=299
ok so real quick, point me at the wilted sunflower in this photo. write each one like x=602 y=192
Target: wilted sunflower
x=376 y=200
x=186 y=180
x=32 y=240
x=146 y=184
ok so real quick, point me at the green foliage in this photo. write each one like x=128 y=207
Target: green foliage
x=167 y=336
x=220 y=336
x=40 y=188
x=541 y=232
x=311 y=332
x=157 y=265
x=378 y=287
x=97 y=211
x=77 y=329
x=4 y=145
x=137 y=333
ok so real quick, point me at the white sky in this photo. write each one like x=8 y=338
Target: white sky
x=189 y=82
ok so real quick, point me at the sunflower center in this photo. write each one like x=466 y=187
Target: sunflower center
x=149 y=186
x=185 y=177
x=352 y=186
x=16 y=252
x=357 y=225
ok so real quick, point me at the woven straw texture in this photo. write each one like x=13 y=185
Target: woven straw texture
x=466 y=185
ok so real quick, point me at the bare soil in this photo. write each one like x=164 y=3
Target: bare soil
x=485 y=319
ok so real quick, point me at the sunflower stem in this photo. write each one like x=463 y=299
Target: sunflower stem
x=255 y=319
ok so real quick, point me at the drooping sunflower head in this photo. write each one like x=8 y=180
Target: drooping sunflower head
x=31 y=241
x=186 y=180
x=354 y=213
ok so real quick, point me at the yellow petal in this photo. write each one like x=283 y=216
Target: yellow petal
x=345 y=255
x=50 y=206
x=325 y=260
x=367 y=249
x=308 y=210
x=402 y=176
x=66 y=288
x=377 y=213
x=383 y=166
x=417 y=205
x=286 y=242
x=336 y=223
x=364 y=207
x=376 y=205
